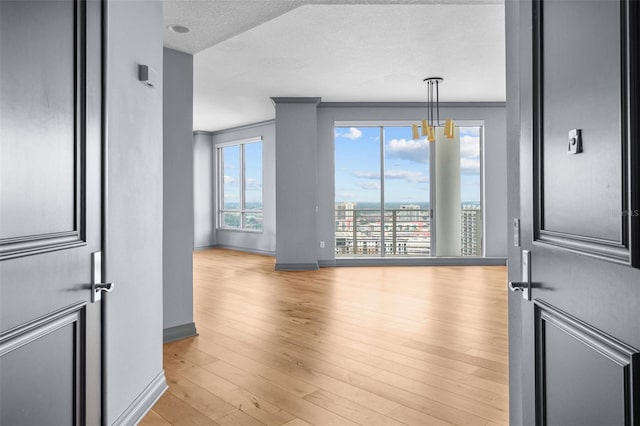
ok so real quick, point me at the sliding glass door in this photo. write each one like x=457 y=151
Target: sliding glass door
x=359 y=171
x=385 y=192
x=407 y=194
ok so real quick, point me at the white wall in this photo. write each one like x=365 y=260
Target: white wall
x=204 y=227
x=513 y=42
x=178 y=195
x=260 y=242
x=133 y=312
x=296 y=180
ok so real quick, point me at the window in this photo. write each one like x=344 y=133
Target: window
x=386 y=193
x=470 y=191
x=240 y=185
x=382 y=192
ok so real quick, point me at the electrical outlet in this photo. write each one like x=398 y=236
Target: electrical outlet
x=321 y=244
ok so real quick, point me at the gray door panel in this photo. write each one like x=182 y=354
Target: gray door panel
x=40 y=383
x=580 y=334
x=50 y=211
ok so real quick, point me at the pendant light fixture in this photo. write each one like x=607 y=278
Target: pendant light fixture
x=433 y=113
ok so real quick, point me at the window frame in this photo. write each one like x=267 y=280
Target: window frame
x=242 y=210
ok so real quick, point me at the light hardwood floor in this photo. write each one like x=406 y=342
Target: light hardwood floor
x=339 y=346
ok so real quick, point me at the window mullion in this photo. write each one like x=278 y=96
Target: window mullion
x=220 y=187
x=432 y=199
x=242 y=186
x=382 y=211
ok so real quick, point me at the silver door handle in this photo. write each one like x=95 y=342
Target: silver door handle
x=518 y=286
x=97 y=287
x=108 y=287
x=525 y=285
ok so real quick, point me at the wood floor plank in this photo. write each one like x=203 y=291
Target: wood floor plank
x=242 y=360
x=490 y=408
x=343 y=310
x=313 y=371
x=289 y=402
x=395 y=396
x=437 y=376
x=350 y=410
x=154 y=419
x=178 y=412
x=339 y=346
x=191 y=354
x=410 y=416
x=398 y=354
x=241 y=399
x=411 y=352
x=199 y=398
x=238 y=418
x=297 y=422
x=337 y=356
x=303 y=368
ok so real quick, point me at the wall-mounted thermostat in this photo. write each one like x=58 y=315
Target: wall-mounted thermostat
x=147 y=75
x=575 y=142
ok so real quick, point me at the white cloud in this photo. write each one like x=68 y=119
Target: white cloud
x=370 y=185
x=406 y=175
x=469 y=154
x=352 y=134
x=366 y=175
x=470 y=165
x=394 y=174
x=229 y=179
x=469 y=146
x=252 y=184
x=345 y=196
x=412 y=150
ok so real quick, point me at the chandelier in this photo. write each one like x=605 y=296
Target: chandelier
x=433 y=113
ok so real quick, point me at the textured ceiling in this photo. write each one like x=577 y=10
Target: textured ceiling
x=249 y=51
x=213 y=21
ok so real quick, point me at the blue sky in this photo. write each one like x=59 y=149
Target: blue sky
x=253 y=174
x=357 y=161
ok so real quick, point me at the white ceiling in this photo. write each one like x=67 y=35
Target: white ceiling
x=249 y=51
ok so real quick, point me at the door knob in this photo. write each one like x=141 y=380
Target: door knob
x=517 y=286
x=525 y=285
x=108 y=287
x=97 y=286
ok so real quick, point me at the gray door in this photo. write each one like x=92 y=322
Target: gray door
x=579 y=175
x=50 y=211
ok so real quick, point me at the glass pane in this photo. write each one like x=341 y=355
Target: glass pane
x=357 y=190
x=365 y=241
x=253 y=176
x=471 y=220
x=407 y=192
x=230 y=220
x=231 y=183
x=253 y=220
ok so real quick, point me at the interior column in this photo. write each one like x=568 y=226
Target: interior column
x=296 y=183
x=447 y=202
